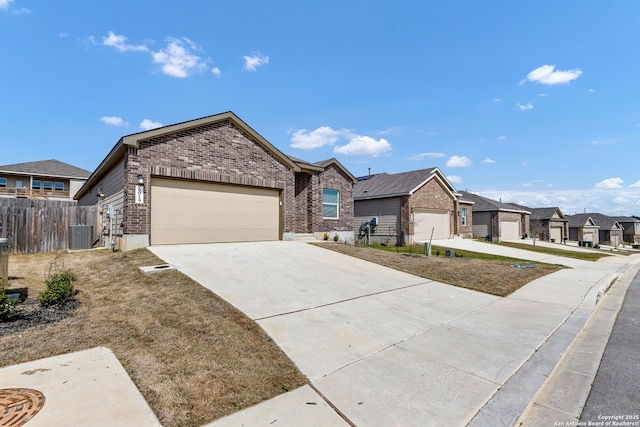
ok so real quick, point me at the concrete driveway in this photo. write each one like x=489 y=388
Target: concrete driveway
x=382 y=347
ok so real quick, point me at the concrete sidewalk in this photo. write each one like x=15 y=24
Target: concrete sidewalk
x=86 y=388
x=384 y=348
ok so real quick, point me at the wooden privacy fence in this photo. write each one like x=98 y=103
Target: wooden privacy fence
x=41 y=225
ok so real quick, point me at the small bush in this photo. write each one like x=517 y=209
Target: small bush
x=59 y=289
x=8 y=308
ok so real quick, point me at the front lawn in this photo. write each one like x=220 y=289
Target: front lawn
x=491 y=274
x=193 y=356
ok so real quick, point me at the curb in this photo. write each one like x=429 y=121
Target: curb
x=562 y=396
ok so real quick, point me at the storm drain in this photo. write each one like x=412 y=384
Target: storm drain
x=19 y=405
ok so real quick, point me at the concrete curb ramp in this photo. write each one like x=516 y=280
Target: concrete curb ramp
x=86 y=388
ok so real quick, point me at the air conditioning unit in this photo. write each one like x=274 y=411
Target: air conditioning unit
x=80 y=237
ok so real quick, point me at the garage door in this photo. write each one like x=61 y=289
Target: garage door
x=509 y=230
x=424 y=222
x=199 y=212
x=555 y=234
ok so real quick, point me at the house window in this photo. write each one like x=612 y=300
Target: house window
x=35 y=184
x=18 y=183
x=48 y=185
x=3 y=182
x=330 y=200
x=463 y=216
x=59 y=186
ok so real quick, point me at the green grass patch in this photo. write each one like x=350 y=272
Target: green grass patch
x=441 y=250
x=586 y=256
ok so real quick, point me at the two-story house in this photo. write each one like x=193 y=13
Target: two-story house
x=50 y=179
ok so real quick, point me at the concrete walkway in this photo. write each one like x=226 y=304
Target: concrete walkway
x=383 y=348
x=86 y=388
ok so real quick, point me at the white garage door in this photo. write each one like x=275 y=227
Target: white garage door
x=509 y=230
x=424 y=222
x=555 y=234
x=199 y=212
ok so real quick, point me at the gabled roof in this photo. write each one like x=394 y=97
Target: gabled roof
x=581 y=220
x=117 y=152
x=399 y=184
x=626 y=219
x=50 y=168
x=322 y=165
x=483 y=204
x=605 y=222
x=547 y=214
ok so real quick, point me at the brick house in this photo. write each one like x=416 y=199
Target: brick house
x=214 y=179
x=497 y=221
x=409 y=206
x=595 y=228
x=43 y=179
x=549 y=224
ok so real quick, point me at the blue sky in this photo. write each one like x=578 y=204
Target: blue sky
x=531 y=102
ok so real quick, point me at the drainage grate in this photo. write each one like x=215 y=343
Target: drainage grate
x=19 y=405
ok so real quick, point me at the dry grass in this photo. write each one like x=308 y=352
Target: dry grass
x=493 y=276
x=193 y=356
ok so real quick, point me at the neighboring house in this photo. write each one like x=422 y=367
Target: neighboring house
x=631 y=233
x=548 y=224
x=409 y=206
x=497 y=221
x=583 y=228
x=45 y=179
x=214 y=179
x=610 y=231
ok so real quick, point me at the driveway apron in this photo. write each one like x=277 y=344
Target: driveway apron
x=380 y=346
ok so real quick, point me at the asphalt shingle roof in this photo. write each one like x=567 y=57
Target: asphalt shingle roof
x=390 y=185
x=47 y=168
x=483 y=204
x=545 y=213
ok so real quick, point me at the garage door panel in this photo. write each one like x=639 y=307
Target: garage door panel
x=197 y=212
x=427 y=222
x=555 y=233
x=509 y=230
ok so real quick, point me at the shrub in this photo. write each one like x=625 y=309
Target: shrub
x=8 y=308
x=59 y=289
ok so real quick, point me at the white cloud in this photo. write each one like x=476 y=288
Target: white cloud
x=548 y=75
x=620 y=200
x=542 y=95
x=421 y=156
x=4 y=4
x=177 y=60
x=502 y=138
x=497 y=100
x=120 y=44
x=488 y=161
x=360 y=145
x=636 y=184
x=527 y=184
x=147 y=124
x=113 y=120
x=524 y=107
x=610 y=183
x=324 y=135
x=454 y=179
x=458 y=162
x=251 y=63
x=216 y=71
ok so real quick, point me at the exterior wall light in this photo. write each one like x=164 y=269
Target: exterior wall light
x=140 y=179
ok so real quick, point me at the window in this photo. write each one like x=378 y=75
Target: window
x=330 y=200
x=35 y=184
x=59 y=186
x=48 y=185
x=463 y=216
x=18 y=183
x=3 y=182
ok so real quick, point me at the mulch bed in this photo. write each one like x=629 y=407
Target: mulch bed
x=33 y=314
